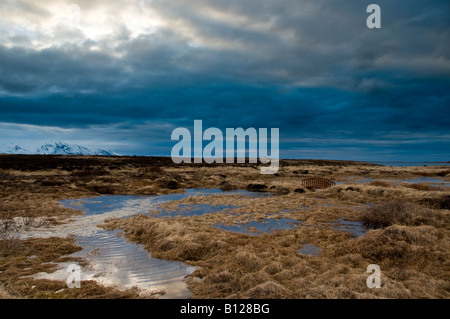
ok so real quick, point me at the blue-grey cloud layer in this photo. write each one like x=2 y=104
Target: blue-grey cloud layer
x=312 y=68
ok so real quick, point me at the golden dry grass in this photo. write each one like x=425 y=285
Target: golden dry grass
x=402 y=213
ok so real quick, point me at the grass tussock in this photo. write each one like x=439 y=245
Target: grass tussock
x=402 y=213
x=433 y=173
x=268 y=290
x=436 y=202
x=424 y=187
x=413 y=260
x=412 y=247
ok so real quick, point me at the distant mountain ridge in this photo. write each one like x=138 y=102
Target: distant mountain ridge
x=54 y=148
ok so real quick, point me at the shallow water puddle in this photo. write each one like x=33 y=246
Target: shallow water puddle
x=310 y=249
x=427 y=180
x=254 y=228
x=357 y=229
x=143 y=203
x=193 y=210
x=114 y=260
x=127 y=264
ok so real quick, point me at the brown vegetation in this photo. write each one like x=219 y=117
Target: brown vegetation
x=402 y=213
x=410 y=239
x=379 y=183
x=424 y=187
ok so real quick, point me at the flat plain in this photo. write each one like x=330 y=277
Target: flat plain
x=394 y=216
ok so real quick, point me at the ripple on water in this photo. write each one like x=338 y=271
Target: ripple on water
x=127 y=264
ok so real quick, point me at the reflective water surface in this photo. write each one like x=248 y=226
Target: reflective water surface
x=116 y=261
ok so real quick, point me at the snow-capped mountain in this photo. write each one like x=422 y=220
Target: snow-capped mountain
x=54 y=148
x=14 y=149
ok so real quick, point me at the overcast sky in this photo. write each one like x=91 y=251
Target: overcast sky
x=129 y=72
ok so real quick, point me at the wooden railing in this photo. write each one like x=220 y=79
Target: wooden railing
x=317 y=182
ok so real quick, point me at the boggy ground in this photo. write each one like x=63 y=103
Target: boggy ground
x=408 y=226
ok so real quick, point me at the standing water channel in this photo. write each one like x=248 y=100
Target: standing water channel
x=114 y=260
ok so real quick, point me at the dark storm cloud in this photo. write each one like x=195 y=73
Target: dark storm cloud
x=311 y=68
x=297 y=110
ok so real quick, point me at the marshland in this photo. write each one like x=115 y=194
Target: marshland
x=221 y=230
